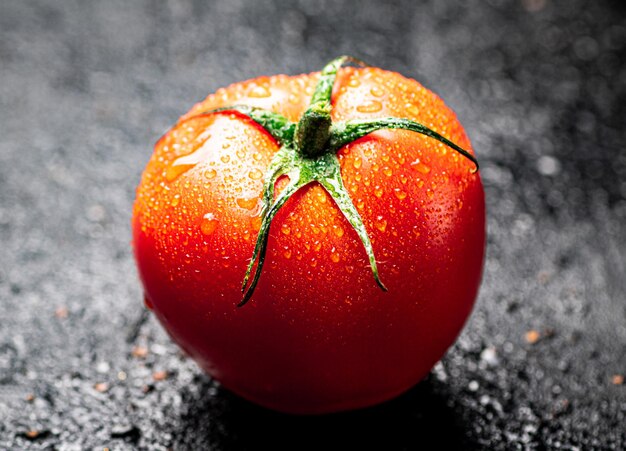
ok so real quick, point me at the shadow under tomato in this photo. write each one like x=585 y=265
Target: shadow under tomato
x=419 y=419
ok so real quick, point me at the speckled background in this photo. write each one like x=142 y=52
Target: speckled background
x=86 y=88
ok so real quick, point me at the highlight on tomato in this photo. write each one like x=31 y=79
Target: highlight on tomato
x=314 y=242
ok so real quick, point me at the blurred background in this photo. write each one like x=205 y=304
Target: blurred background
x=86 y=88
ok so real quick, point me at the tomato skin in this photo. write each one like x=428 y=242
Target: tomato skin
x=318 y=335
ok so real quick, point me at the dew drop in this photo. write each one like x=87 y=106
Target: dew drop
x=376 y=91
x=350 y=269
x=210 y=174
x=175 y=170
x=255 y=174
x=399 y=193
x=287 y=254
x=247 y=204
x=387 y=171
x=430 y=193
x=209 y=224
x=356 y=162
x=259 y=91
x=334 y=256
x=414 y=110
x=354 y=83
x=175 y=201
x=225 y=158
x=285 y=229
x=338 y=231
x=421 y=167
x=378 y=191
x=255 y=222
x=371 y=106
x=381 y=224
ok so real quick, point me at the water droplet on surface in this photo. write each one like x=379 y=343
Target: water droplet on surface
x=381 y=224
x=421 y=167
x=354 y=83
x=356 y=162
x=255 y=174
x=387 y=171
x=256 y=222
x=175 y=201
x=378 y=191
x=247 y=204
x=259 y=91
x=376 y=91
x=210 y=174
x=338 y=231
x=287 y=254
x=225 y=158
x=334 y=256
x=412 y=109
x=175 y=170
x=285 y=229
x=430 y=193
x=209 y=224
x=371 y=106
x=399 y=194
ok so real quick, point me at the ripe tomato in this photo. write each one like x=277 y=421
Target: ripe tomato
x=318 y=334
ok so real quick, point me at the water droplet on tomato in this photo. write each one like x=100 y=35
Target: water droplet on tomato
x=430 y=193
x=378 y=191
x=338 y=231
x=175 y=170
x=256 y=222
x=210 y=174
x=421 y=167
x=285 y=229
x=354 y=83
x=399 y=193
x=370 y=106
x=247 y=204
x=356 y=162
x=208 y=224
x=381 y=224
x=334 y=256
x=255 y=174
x=376 y=91
x=175 y=201
x=287 y=254
x=412 y=109
x=225 y=158
x=387 y=171
x=259 y=91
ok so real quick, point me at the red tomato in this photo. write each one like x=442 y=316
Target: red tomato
x=318 y=334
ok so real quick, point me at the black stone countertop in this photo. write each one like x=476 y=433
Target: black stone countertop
x=86 y=88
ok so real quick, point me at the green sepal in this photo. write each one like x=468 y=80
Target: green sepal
x=343 y=133
x=277 y=125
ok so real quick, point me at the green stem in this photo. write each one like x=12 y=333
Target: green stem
x=313 y=129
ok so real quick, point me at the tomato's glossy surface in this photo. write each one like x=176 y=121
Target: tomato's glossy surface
x=318 y=334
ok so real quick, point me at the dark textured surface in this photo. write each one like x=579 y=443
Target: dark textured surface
x=87 y=87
